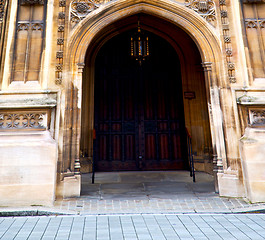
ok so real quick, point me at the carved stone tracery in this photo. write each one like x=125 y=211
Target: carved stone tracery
x=227 y=41
x=255 y=23
x=79 y=9
x=60 y=43
x=25 y=26
x=205 y=8
x=23 y=121
x=257 y=117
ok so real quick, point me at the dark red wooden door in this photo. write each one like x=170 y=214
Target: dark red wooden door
x=139 y=119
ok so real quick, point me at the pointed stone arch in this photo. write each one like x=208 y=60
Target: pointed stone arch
x=202 y=33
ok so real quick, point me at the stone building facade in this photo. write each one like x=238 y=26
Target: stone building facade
x=66 y=98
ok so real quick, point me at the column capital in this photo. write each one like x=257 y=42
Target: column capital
x=207 y=66
x=80 y=67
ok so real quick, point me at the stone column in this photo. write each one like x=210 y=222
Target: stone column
x=77 y=116
x=70 y=186
x=215 y=121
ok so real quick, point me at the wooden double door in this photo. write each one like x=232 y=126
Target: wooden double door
x=139 y=119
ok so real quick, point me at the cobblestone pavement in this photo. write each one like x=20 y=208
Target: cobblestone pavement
x=135 y=227
x=152 y=192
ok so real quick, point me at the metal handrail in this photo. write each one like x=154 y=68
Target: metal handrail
x=190 y=155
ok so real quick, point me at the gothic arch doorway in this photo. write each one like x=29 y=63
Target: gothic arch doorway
x=138 y=115
x=139 y=118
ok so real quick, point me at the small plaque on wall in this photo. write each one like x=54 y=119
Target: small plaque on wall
x=189 y=95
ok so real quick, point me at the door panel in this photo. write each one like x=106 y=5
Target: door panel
x=139 y=118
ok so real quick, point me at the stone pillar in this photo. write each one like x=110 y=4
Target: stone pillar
x=70 y=184
x=217 y=160
x=227 y=183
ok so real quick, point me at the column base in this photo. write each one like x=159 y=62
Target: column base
x=230 y=185
x=69 y=187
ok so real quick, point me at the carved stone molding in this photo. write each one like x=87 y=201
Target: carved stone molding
x=61 y=15
x=61 y=28
x=80 y=67
x=62 y=3
x=29 y=26
x=257 y=117
x=32 y=2
x=205 y=8
x=227 y=41
x=207 y=66
x=79 y=9
x=59 y=54
x=60 y=43
x=255 y=23
x=251 y=23
x=31 y=120
x=231 y=66
x=262 y=23
x=23 y=26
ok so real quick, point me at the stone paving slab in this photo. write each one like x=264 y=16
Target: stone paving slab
x=143 y=193
x=185 y=205
x=135 y=227
x=152 y=192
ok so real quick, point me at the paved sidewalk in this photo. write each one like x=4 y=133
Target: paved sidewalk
x=143 y=193
x=135 y=227
x=152 y=192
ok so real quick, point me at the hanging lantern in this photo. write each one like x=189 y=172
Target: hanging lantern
x=139 y=45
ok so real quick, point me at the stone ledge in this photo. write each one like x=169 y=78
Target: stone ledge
x=28 y=100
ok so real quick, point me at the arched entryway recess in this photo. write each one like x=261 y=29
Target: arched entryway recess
x=137 y=112
x=100 y=26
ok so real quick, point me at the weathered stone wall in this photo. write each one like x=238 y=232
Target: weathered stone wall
x=43 y=46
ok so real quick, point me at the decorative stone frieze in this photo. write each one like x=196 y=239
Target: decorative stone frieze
x=61 y=15
x=79 y=9
x=62 y=3
x=262 y=23
x=61 y=28
x=257 y=117
x=205 y=8
x=255 y=23
x=37 y=26
x=227 y=41
x=59 y=55
x=60 y=43
x=231 y=66
x=229 y=52
x=31 y=120
x=250 y=23
x=32 y=2
x=59 y=67
x=22 y=26
x=223 y=14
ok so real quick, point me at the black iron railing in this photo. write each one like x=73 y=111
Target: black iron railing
x=190 y=155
